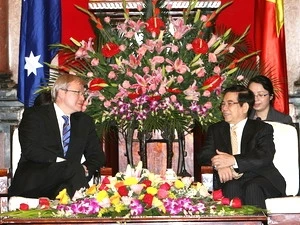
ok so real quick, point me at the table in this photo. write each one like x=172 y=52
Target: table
x=174 y=220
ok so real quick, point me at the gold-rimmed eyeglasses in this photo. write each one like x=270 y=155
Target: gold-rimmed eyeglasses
x=228 y=104
x=79 y=93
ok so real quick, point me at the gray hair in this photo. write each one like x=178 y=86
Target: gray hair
x=62 y=82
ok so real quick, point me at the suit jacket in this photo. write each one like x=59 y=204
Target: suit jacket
x=274 y=115
x=257 y=150
x=41 y=144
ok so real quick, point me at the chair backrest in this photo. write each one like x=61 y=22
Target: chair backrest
x=16 y=151
x=286 y=158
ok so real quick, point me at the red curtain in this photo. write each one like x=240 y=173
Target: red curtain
x=74 y=22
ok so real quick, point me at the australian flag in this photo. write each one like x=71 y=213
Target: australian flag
x=40 y=27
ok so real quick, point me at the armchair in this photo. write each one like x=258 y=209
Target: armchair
x=286 y=159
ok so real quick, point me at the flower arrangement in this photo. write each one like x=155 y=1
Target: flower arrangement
x=137 y=192
x=155 y=72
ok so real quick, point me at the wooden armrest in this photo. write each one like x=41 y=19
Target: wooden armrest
x=4 y=173
x=206 y=169
x=106 y=171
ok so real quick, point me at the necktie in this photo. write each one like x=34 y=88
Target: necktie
x=234 y=146
x=234 y=141
x=66 y=134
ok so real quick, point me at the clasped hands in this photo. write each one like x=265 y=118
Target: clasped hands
x=223 y=162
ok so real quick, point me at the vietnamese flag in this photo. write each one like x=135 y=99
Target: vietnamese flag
x=270 y=39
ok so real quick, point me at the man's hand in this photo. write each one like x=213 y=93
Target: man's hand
x=225 y=174
x=222 y=160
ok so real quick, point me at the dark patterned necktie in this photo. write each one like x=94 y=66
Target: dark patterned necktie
x=66 y=134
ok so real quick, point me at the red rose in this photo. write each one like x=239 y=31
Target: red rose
x=154 y=98
x=133 y=95
x=165 y=186
x=199 y=46
x=155 y=25
x=147 y=183
x=212 y=82
x=174 y=90
x=217 y=195
x=44 y=203
x=95 y=84
x=236 y=203
x=148 y=198
x=122 y=190
x=103 y=187
x=110 y=49
x=24 y=206
x=225 y=201
x=105 y=180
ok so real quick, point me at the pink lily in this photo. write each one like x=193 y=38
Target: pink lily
x=180 y=29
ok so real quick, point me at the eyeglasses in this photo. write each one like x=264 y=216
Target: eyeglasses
x=79 y=93
x=260 y=95
x=228 y=104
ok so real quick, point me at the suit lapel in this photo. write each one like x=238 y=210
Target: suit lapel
x=74 y=129
x=53 y=123
x=225 y=135
x=247 y=135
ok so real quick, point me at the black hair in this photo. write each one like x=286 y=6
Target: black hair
x=264 y=81
x=44 y=98
x=244 y=95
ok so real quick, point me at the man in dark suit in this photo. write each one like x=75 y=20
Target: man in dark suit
x=248 y=173
x=44 y=168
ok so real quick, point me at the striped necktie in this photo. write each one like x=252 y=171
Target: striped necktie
x=66 y=134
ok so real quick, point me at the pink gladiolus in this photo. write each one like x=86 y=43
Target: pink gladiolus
x=180 y=79
x=206 y=93
x=90 y=74
x=95 y=62
x=107 y=104
x=174 y=48
x=157 y=59
x=173 y=98
x=200 y=72
x=126 y=84
x=112 y=75
x=212 y=57
x=208 y=105
x=122 y=47
x=86 y=47
x=217 y=70
x=189 y=47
